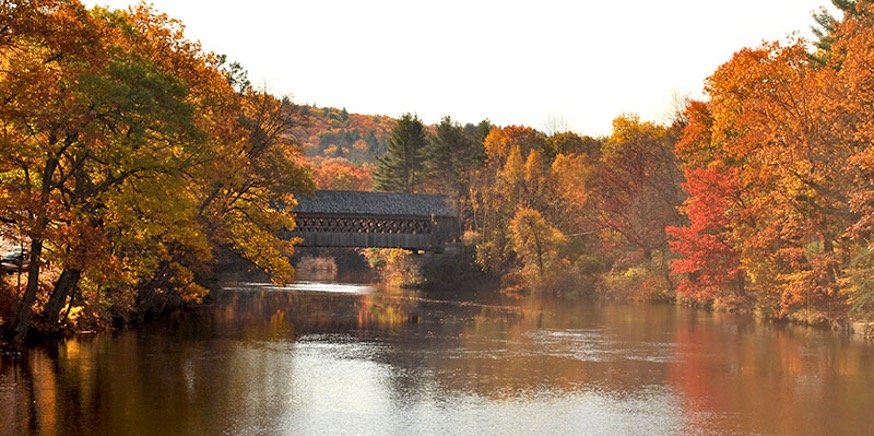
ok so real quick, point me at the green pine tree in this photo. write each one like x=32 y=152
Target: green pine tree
x=454 y=154
x=402 y=168
x=824 y=29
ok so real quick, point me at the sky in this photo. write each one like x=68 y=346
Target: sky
x=533 y=63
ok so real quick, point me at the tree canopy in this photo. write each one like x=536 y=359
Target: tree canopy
x=128 y=160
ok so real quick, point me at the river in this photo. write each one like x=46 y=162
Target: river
x=322 y=359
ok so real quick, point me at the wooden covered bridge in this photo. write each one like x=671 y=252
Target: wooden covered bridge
x=375 y=219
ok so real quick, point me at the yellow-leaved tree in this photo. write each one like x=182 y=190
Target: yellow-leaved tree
x=128 y=160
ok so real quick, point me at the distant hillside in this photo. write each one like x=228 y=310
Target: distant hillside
x=336 y=133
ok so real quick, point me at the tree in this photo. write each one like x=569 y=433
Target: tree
x=573 y=177
x=793 y=169
x=556 y=124
x=709 y=263
x=478 y=132
x=569 y=143
x=498 y=189
x=340 y=174
x=637 y=187
x=825 y=28
x=128 y=160
x=780 y=199
x=527 y=202
x=500 y=142
x=537 y=243
x=452 y=158
x=402 y=168
x=85 y=116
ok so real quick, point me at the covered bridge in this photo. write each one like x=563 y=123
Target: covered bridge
x=375 y=219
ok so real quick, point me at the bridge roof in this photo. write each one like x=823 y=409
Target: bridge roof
x=375 y=203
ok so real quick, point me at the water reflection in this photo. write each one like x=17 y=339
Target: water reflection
x=333 y=288
x=328 y=359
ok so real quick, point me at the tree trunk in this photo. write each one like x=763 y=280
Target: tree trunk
x=539 y=247
x=64 y=287
x=25 y=309
x=146 y=292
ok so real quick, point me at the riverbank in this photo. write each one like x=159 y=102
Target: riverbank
x=455 y=269
x=457 y=266
x=390 y=361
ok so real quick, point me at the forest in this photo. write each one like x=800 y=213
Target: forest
x=132 y=161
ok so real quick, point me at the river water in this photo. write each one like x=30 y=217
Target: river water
x=320 y=359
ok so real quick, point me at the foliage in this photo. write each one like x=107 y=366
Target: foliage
x=326 y=133
x=635 y=193
x=396 y=266
x=568 y=143
x=861 y=285
x=825 y=29
x=128 y=160
x=709 y=263
x=779 y=202
x=638 y=185
x=636 y=283
x=341 y=174
x=536 y=242
x=527 y=199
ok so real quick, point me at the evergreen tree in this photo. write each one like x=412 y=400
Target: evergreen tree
x=478 y=132
x=825 y=27
x=402 y=168
x=454 y=153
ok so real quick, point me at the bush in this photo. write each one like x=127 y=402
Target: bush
x=861 y=289
x=456 y=268
x=396 y=266
x=637 y=283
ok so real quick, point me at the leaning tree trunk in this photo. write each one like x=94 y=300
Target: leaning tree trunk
x=64 y=287
x=147 y=291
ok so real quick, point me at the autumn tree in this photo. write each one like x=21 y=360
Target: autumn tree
x=128 y=159
x=529 y=202
x=341 y=174
x=637 y=189
x=537 y=243
x=243 y=186
x=851 y=111
x=573 y=178
x=780 y=194
x=710 y=264
x=497 y=190
x=85 y=115
x=402 y=168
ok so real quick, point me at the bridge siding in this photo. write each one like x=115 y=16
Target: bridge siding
x=375 y=240
x=350 y=218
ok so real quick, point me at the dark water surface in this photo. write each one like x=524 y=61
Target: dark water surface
x=321 y=359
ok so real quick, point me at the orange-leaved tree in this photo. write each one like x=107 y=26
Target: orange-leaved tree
x=636 y=192
x=781 y=150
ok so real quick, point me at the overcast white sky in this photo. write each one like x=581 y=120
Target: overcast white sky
x=513 y=62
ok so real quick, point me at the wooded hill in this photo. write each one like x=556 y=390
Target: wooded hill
x=335 y=133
